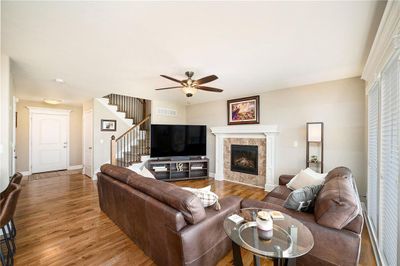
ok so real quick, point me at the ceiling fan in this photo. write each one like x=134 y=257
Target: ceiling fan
x=190 y=86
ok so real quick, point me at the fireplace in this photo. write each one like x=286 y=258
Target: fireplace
x=244 y=159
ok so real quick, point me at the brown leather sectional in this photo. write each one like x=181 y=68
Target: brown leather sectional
x=336 y=222
x=168 y=223
x=171 y=226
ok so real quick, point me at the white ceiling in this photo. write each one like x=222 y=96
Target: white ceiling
x=123 y=47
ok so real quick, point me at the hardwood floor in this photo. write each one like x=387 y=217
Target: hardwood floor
x=59 y=222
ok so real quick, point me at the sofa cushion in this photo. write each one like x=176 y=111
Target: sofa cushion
x=302 y=199
x=274 y=200
x=340 y=171
x=170 y=194
x=337 y=204
x=280 y=192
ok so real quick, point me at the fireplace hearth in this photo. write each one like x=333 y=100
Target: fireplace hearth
x=244 y=159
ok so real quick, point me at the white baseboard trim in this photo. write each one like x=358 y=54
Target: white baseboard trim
x=372 y=237
x=25 y=173
x=212 y=175
x=75 y=167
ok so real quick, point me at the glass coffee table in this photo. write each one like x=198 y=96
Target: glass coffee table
x=290 y=238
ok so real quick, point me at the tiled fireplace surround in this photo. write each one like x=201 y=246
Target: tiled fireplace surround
x=256 y=180
x=261 y=135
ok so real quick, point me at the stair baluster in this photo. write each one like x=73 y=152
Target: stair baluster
x=130 y=146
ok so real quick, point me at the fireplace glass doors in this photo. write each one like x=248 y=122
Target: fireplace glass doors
x=244 y=159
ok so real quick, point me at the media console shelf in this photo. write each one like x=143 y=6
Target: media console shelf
x=175 y=170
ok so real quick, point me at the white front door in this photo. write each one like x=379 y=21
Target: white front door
x=49 y=142
x=88 y=142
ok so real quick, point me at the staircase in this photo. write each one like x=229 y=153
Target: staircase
x=131 y=146
x=134 y=108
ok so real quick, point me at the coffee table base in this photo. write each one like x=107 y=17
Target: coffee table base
x=237 y=258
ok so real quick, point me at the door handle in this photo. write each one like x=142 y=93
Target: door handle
x=90 y=148
x=65 y=146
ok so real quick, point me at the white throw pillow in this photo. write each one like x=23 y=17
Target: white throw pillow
x=206 y=197
x=313 y=173
x=307 y=177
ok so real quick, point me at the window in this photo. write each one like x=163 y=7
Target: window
x=390 y=108
x=384 y=160
x=373 y=174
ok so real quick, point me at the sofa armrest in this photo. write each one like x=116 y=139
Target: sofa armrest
x=208 y=233
x=284 y=179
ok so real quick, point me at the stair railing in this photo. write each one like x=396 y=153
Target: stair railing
x=130 y=146
x=134 y=108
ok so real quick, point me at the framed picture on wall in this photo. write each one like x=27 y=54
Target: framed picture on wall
x=244 y=111
x=108 y=125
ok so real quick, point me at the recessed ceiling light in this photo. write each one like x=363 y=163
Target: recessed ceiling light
x=58 y=80
x=52 y=101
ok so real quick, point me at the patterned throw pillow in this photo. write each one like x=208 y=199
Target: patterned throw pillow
x=302 y=199
x=206 y=197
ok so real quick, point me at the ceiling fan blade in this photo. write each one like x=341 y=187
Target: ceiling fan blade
x=209 y=89
x=173 y=79
x=167 y=88
x=206 y=79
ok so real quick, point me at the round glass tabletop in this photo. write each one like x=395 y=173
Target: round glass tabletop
x=289 y=238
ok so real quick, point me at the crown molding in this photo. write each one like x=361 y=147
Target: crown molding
x=387 y=40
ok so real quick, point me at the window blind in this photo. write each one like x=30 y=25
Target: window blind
x=373 y=175
x=389 y=189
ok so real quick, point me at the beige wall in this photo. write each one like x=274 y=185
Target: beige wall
x=22 y=133
x=339 y=104
x=101 y=139
x=6 y=139
x=156 y=118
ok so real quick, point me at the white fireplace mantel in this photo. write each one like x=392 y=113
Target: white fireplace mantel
x=268 y=132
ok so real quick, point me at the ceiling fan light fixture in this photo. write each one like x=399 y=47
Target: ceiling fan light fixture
x=189 y=90
x=190 y=86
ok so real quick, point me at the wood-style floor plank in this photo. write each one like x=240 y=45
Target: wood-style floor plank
x=59 y=222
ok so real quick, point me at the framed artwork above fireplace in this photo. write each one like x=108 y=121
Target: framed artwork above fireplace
x=244 y=110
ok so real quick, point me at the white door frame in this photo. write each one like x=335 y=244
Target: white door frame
x=84 y=142
x=49 y=111
x=14 y=135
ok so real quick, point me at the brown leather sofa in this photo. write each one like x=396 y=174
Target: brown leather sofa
x=336 y=222
x=168 y=223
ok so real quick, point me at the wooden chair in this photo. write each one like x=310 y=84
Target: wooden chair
x=8 y=206
x=15 y=179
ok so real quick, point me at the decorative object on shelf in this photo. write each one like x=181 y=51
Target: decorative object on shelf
x=108 y=125
x=265 y=225
x=315 y=145
x=244 y=111
x=179 y=167
x=314 y=159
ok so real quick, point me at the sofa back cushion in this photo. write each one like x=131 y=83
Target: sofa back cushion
x=337 y=203
x=184 y=201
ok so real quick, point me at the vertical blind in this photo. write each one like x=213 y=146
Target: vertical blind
x=384 y=160
x=373 y=174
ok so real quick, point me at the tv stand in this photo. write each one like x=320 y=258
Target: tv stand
x=175 y=169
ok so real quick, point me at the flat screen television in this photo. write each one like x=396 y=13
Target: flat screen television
x=178 y=140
